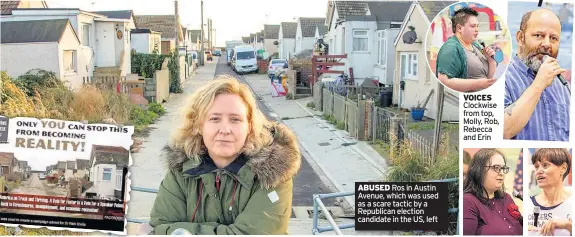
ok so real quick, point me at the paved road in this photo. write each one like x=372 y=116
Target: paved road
x=307 y=182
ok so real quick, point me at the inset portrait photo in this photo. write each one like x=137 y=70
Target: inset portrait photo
x=491 y=183
x=469 y=47
x=549 y=205
x=537 y=82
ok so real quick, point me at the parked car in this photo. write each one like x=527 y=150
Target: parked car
x=42 y=176
x=244 y=59
x=218 y=52
x=209 y=56
x=276 y=64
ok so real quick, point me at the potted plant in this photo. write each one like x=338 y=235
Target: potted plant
x=417 y=112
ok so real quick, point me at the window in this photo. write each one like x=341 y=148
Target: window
x=360 y=41
x=409 y=66
x=381 y=48
x=69 y=60
x=86 y=34
x=107 y=176
x=246 y=55
x=119 y=174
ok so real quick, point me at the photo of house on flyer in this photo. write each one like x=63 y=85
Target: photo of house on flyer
x=64 y=174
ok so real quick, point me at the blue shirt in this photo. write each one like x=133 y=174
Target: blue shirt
x=550 y=119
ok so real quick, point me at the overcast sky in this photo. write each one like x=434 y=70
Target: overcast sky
x=231 y=19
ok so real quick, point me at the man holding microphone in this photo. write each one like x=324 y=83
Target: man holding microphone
x=463 y=64
x=536 y=101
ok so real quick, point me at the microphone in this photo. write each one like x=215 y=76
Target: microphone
x=483 y=44
x=517 y=195
x=536 y=211
x=560 y=77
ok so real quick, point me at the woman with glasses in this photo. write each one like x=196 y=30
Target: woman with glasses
x=551 y=167
x=487 y=209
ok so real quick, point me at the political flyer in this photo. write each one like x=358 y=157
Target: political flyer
x=64 y=175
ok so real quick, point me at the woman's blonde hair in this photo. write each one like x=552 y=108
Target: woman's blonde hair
x=188 y=137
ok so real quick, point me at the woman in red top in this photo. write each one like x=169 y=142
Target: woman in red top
x=487 y=209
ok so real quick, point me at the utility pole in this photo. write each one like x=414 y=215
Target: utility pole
x=202 y=35
x=210 y=45
x=176 y=15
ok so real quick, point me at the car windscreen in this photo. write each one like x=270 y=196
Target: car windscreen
x=278 y=62
x=246 y=55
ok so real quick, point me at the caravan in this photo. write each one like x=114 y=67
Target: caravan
x=244 y=59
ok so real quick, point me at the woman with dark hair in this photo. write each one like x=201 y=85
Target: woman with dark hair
x=551 y=167
x=487 y=209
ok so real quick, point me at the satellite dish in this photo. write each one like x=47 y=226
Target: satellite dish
x=409 y=37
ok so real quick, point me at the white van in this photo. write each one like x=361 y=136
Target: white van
x=244 y=59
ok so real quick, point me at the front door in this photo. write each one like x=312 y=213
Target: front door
x=106 y=49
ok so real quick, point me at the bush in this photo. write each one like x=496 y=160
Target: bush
x=37 y=80
x=174 y=66
x=16 y=103
x=156 y=108
x=408 y=165
x=140 y=116
x=146 y=64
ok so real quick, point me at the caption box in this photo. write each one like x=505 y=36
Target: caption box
x=479 y=117
x=401 y=206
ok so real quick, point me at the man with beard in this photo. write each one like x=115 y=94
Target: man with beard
x=536 y=104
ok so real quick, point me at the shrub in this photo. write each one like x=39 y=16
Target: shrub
x=156 y=108
x=36 y=80
x=408 y=165
x=16 y=103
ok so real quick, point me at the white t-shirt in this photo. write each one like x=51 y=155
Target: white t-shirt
x=561 y=211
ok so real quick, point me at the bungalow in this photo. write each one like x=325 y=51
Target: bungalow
x=82 y=169
x=361 y=30
x=166 y=25
x=413 y=80
x=305 y=32
x=53 y=41
x=105 y=41
x=146 y=41
x=61 y=168
x=6 y=163
x=70 y=169
x=286 y=39
x=271 y=36
x=107 y=165
x=193 y=40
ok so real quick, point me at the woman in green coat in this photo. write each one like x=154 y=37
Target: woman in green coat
x=230 y=169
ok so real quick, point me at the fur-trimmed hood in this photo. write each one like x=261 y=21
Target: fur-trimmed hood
x=272 y=165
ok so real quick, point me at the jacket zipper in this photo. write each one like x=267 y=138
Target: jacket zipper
x=218 y=181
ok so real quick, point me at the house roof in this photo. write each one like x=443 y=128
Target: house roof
x=61 y=165
x=110 y=155
x=389 y=11
x=120 y=14
x=432 y=8
x=8 y=6
x=166 y=24
x=70 y=165
x=289 y=29
x=271 y=31
x=350 y=8
x=142 y=31
x=195 y=34
x=308 y=25
x=246 y=39
x=37 y=31
x=321 y=29
x=6 y=158
x=429 y=8
x=82 y=164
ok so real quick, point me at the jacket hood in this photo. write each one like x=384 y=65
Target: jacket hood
x=272 y=165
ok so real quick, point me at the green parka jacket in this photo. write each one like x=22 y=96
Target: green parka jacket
x=253 y=195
